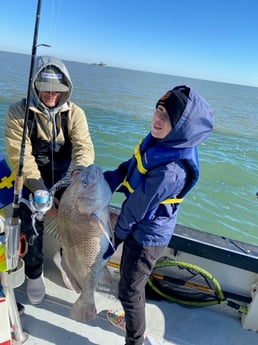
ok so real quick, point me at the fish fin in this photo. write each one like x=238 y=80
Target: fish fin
x=70 y=276
x=50 y=227
x=106 y=277
x=83 y=312
x=74 y=283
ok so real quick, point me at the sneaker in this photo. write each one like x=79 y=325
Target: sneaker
x=57 y=260
x=36 y=290
x=20 y=308
x=117 y=318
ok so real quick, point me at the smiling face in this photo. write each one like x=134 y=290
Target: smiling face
x=50 y=99
x=161 y=124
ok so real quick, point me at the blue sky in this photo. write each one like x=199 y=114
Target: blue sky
x=213 y=40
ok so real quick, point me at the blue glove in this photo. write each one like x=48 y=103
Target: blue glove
x=110 y=177
x=112 y=247
x=115 y=178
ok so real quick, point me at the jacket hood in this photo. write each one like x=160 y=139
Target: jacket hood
x=195 y=124
x=48 y=61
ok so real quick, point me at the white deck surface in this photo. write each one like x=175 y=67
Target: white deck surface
x=167 y=323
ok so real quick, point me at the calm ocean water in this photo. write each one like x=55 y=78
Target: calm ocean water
x=119 y=104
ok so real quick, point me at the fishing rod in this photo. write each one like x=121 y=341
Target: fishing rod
x=12 y=224
x=19 y=178
x=41 y=202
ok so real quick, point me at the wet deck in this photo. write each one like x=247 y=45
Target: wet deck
x=167 y=323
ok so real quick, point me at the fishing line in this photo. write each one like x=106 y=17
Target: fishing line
x=54 y=15
x=55 y=11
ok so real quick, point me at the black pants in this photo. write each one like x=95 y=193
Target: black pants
x=35 y=257
x=137 y=263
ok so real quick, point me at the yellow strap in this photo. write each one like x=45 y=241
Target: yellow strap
x=138 y=157
x=139 y=166
x=7 y=182
x=127 y=185
x=2 y=212
x=142 y=170
x=172 y=201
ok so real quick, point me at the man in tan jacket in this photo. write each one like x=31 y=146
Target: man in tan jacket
x=57 y=141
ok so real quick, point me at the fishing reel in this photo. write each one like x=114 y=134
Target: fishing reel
x=39 y=204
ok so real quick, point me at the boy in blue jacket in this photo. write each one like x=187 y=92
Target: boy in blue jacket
x=155 y=180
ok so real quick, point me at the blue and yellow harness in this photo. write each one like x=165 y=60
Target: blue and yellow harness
x=148 y=157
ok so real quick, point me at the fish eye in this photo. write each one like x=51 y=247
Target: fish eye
x=85 y=181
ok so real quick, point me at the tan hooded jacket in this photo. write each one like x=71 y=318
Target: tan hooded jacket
x=46 y=121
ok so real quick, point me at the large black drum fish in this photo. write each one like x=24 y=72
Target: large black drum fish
x=84 y=227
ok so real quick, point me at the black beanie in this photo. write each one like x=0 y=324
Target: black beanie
x=174 y=101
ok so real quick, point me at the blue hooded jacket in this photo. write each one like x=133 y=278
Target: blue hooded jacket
x=143 y=214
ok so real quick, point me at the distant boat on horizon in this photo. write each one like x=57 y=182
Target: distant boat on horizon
x=101 y=64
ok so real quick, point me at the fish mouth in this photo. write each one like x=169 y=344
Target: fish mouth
x=92 y=174
x=96 y=170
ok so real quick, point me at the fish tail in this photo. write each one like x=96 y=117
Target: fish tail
x=82 y=311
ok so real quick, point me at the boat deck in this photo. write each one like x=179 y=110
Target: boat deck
x=167 y=323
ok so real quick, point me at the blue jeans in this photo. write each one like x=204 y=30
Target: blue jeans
x=137 y=263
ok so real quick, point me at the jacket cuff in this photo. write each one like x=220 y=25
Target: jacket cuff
x=33 y=185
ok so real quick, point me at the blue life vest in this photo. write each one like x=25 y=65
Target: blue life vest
x=148 y=157
x=7 y=181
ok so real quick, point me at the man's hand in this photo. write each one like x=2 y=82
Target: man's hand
x=75 y=172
